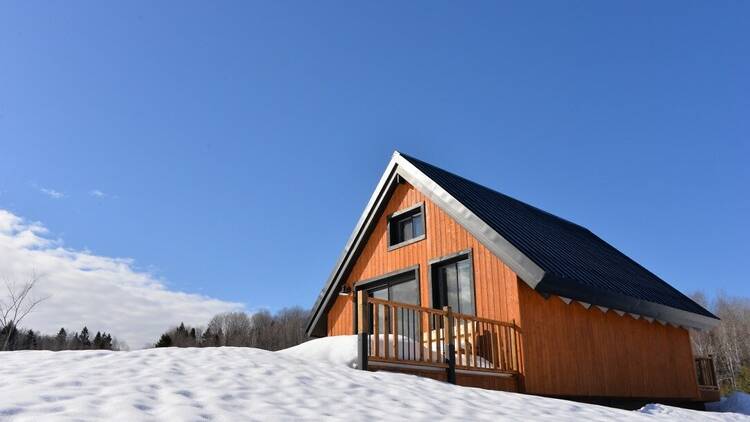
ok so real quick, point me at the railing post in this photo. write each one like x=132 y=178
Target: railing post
x=712 y=369
x=451 y=341
x=363 y=326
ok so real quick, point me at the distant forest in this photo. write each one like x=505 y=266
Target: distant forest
x=22 y=339
x=261 y=329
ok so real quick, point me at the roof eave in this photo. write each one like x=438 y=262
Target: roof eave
x=657 y=311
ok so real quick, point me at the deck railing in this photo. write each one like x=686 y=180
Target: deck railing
x=706 y=373
x=392 y=332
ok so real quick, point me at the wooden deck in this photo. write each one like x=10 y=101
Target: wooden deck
x=438 y=343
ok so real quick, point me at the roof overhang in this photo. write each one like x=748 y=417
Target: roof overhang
x=531 y=273
x=550 y=286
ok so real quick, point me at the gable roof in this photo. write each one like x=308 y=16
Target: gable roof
x=550 y=254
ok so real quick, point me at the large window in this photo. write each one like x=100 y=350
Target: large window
x=406 y=226
x=402 y=287
x=453 y=284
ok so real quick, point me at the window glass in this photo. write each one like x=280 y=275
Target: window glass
x=406 y=232
x=406 y=226
x=417 y=223
x=381 y=293
x=453 y=286
x=465 y=294
x=405 y=292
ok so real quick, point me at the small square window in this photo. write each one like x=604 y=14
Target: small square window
x=406 y=226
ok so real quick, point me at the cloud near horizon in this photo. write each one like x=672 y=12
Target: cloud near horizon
x=102 y=293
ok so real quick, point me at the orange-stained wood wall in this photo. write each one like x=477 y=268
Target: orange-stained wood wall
x=573 y=351
x=495 y=283
x=566 y=350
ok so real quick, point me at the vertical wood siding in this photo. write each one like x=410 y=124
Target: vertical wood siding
x=495 y=284
x=573 y=351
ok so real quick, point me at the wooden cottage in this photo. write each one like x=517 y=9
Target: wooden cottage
x=448 y=279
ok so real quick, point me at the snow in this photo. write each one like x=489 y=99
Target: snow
x=736 y=402
x=309 y=382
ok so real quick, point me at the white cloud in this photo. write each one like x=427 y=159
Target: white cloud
x=103 y=293
x=97 y=193
x=52 y=193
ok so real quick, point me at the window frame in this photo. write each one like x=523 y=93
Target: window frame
x=414 y=209
x=432 y=277
x=380 y=281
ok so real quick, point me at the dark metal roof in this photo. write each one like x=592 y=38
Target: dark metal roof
x=576 y=263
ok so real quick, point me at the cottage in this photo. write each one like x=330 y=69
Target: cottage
x=448 y=279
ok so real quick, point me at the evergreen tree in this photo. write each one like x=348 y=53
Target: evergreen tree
x=192 y=333
x=29 y=341
x=84 y=338
x=107 y=341
x=61 y=340
x=207 y=339
x=164 y=341
x=98 y=340
x=75 y=342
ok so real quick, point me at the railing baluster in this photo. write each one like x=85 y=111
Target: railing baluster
x=420 y=333
x=509 y=345
x=474 y=343
x=457 y=333
x=376 y=328
x=498 y=347
x=467 y=343
x=516 y=352
x=395 y=334
x=387 y=331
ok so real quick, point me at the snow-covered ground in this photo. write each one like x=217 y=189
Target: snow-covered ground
x=313 y=381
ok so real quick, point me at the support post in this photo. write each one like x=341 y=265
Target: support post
x=363 y=325
x=451 y=342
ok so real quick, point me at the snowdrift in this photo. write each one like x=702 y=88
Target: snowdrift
x=313 y=381
x=736 y=402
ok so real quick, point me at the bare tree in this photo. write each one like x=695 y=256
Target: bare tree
x=233 y=328
x=17 y=305
x=260 y=329
x=291 y=324
x=729 y=342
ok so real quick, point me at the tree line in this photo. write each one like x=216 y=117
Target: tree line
x=22 y=339
x=729 y=342
x=262 y=330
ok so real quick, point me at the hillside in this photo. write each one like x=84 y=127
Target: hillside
x=308 y=382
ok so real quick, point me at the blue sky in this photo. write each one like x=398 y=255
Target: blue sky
x=236 y=144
